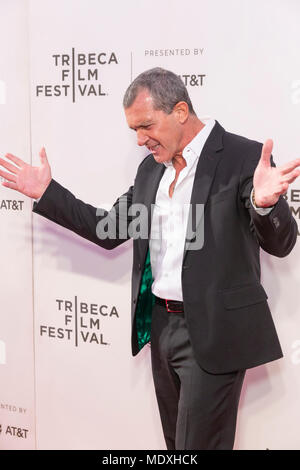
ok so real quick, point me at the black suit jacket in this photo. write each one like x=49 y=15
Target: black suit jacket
x=226 y=309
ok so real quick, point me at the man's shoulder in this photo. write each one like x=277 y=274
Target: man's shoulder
x=147 y=164
x=241 y=145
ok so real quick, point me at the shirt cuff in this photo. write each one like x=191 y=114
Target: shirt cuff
x=260 y=210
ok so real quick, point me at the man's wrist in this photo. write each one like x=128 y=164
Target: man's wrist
x=259 y=210
x=37 y=200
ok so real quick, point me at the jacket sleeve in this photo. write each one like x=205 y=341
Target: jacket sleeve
x=107 y=229
x=276 y=232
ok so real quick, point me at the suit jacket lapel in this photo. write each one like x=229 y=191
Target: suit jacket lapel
x=146 y=194
x=205 y=172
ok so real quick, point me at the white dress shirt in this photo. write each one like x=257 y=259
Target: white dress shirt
x=170 y=218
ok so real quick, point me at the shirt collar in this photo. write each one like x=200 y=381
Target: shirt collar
x=193 y=149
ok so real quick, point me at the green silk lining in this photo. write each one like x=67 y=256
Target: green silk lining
x=144 y=305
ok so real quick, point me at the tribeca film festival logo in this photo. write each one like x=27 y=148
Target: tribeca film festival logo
x=79 y=75
x=189 y=79
x=81 y=322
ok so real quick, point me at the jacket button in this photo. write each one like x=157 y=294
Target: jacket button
x=134 y=301
x=276 y=222
x=140 y=267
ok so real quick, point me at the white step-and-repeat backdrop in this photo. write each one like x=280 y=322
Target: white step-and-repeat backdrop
x=67 y=378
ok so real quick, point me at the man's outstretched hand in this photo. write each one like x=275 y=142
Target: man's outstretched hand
x=29 y=180
x=270 y=182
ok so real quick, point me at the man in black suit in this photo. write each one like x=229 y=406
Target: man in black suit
x=196 y=292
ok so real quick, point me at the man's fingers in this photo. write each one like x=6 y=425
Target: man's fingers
x=15 y=159
x=8 y=176
x=9 y=166
x=282 y=188
x=290 y=177
x=9 y=185
x=290 y=166
x=43 y=155
x=266 y=152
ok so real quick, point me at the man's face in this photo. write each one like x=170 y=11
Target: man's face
x=161 y=133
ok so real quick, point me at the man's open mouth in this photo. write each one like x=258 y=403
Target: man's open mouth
x=154 y=148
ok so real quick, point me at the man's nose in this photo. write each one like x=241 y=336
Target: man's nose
x=142 y=138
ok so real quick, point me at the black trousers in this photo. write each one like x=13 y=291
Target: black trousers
x=198 y=410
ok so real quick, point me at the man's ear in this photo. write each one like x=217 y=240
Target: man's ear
x=181 y=111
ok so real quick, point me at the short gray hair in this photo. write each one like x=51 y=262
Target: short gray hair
x=165 y=87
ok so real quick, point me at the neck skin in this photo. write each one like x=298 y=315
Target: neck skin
x=193 y=127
